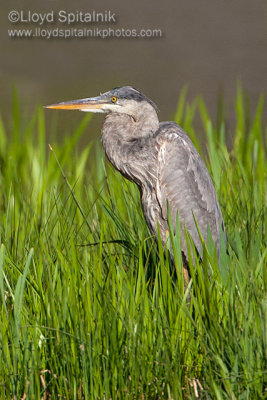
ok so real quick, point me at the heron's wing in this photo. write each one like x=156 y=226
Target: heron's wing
x=184 y=182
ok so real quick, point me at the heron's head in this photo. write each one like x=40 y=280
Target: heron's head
x=123 y=100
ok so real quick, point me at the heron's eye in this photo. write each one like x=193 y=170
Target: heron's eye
x=113 y=99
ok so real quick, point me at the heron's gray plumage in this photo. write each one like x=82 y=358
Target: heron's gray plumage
x=164 y=163
x=183 y=181
x=161 y=159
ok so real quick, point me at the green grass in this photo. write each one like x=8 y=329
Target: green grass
x=89 y=306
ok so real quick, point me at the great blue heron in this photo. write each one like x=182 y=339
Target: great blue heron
x=161 y=159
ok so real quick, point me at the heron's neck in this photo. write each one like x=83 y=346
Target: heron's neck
x=122 y=133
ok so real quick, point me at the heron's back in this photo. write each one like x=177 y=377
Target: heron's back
x=183 y=181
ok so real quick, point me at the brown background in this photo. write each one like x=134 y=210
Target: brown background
x=207 y=44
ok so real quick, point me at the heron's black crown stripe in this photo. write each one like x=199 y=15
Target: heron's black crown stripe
x=129 y=93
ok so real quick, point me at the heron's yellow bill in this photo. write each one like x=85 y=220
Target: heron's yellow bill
x=90 y=104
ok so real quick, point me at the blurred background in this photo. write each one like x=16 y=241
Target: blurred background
x=208 y=45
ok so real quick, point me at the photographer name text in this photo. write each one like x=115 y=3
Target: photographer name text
x=61 y=16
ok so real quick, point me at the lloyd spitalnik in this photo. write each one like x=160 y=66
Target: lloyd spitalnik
x=66 y=17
